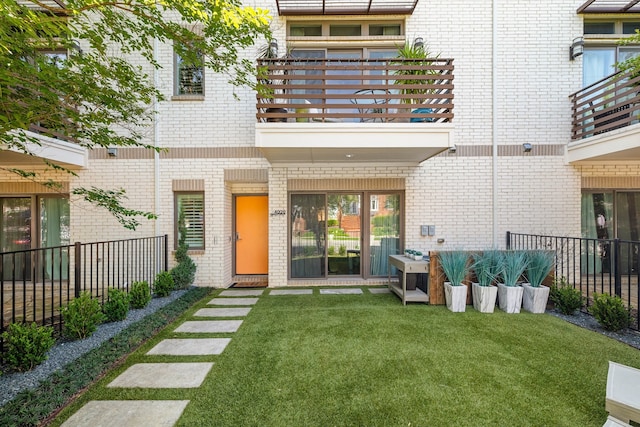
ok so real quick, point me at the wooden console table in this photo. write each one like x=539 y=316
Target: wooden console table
x=408 y=266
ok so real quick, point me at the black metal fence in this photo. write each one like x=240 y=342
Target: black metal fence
x=36 y=283
x=609 y=266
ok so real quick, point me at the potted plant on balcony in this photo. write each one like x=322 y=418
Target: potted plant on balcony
x=535 y=295
x=414 y=51
x=509 y=292
x=487 y=266
x=455 y=265
x=270 y=51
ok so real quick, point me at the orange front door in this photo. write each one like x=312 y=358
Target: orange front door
x=252 y=234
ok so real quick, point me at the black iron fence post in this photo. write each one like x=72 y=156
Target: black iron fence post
x=617 y=270
x=508 y=240
x=166 y=252
x=77 y=268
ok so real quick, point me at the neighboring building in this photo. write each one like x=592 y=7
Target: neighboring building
x=266 y=197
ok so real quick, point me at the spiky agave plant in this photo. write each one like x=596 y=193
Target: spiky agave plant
x=539 y=265
x=514 y=264
x=455 y=265
x=487 y=266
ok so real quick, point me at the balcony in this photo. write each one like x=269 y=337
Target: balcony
x=605 y=125
x=45 y=144
x=370 y=111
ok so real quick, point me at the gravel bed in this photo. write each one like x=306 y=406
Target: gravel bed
x=587 y=321
x=65 y=352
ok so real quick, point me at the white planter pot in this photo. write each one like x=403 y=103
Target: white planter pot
x=456 y=297
x=534 y=300
x=509 y=298
x=484 y=298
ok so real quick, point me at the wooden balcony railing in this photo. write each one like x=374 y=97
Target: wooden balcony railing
x=355 y=90
x=608 y=104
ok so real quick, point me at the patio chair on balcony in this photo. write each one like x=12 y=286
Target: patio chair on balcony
x=372 y=105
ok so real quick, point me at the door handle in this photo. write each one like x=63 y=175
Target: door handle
x=238 y=236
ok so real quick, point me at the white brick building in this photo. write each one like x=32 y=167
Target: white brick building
x=512 y=77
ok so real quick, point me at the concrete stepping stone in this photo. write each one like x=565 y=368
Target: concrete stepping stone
x=233 y=301
x=341 y=291
x=209 y=326
x=128 y=413
x=162 y=375
x=291 y=292
x=223 y=312
x=242 y=293
x=190 y=346
x=379 y=290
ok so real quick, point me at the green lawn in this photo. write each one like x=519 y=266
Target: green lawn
x=365 y=360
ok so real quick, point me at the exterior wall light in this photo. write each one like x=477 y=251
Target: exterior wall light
x=577 y=48
x=273 y=48
x=418 y=42
x=453 y=149
x=112 y=152
x=527 y=147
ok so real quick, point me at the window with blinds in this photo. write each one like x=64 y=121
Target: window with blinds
x=189 y=77
x=191 y=207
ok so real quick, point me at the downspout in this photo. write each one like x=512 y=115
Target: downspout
x=494 y=121
x=156 y=142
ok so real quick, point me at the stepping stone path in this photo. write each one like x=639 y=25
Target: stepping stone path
x=291 y=292
x=128 y=413
x=170 y=375
x=134 y=413
x=341 y=291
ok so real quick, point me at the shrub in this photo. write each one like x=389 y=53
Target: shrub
x=184 y=274
x=163 y=285
x=610 y=312
x=140 y=294
x=566 y=298
x=117 y=305
x=185 y=271
x=342 y=250
x=81 y=317
x=26 y=346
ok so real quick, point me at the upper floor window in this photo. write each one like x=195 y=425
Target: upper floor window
x=602 y=52
x=345 y=29
x=189 y=76
x=611 y=27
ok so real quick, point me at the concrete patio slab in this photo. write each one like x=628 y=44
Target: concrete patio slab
x=379 y=290
x=291 y=292
x=190 y=346
x=209 y=326
x=128 y=413
x=233 y=301
x=242 y=293
x=223 y=312
x=162 y=375
x=341 y=291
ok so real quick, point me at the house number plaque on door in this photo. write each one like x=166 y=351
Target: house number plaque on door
x=277 y=212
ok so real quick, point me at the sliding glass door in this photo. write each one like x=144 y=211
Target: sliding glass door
x=31 y=222
x=344 y=234
x=15 y=235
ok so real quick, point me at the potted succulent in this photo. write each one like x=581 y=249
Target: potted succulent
x=509 y=292
x=455 y=265
x=487 y=266
x=535 y=295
